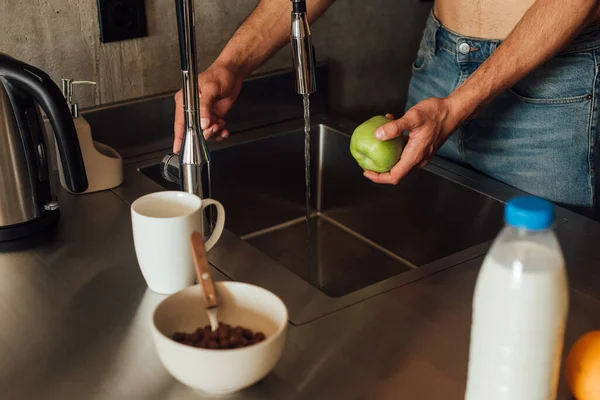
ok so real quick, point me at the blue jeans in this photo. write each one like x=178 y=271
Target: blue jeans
x=541 y=135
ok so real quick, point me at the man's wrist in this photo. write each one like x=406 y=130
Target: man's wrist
x=461 y=107
x=465 y=103
x=233 y=64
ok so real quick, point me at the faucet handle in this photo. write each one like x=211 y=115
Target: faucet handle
x=67 y=90
x=170 y=169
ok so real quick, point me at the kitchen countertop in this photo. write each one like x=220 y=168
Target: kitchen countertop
x=76 y=315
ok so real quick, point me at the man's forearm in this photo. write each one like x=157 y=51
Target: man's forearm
x=544 y=29
x=264 y=32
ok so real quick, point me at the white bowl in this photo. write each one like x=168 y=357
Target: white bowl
x=220 y=372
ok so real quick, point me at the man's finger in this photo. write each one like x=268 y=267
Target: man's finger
x=216 y=129
x=211 y=130
x=179 y=125
x=395 y=128
x=379 y=178
x=409 y=159
x=223 y=135
x=177 y=143
x=407 y=162
x=208 y=94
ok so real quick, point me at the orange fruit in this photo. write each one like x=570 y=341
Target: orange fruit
x=582 y=367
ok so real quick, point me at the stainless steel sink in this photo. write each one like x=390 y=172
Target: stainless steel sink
x=361 y=233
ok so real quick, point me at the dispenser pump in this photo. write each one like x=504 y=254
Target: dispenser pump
x=103 y=164
x=67 y=90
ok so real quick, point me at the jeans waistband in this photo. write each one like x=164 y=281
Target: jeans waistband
x=478 y=50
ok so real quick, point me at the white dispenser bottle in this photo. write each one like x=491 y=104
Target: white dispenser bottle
x=520 y=309
x=103 y=164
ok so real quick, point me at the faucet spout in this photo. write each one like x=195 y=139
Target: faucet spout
x=194 y=157
x=303 y=52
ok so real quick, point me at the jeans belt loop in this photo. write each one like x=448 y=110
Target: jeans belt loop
x=434 y=39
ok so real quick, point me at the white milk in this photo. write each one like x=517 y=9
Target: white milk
x=519 y=314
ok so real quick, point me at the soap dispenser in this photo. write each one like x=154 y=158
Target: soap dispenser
x=103 y=164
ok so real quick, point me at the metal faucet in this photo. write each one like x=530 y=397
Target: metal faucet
x=193 y=172
x=303 y=51
x=191 y=167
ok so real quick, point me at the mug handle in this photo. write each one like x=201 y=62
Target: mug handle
x=220 y=224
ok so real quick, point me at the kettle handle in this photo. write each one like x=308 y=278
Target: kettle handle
x=47 y=94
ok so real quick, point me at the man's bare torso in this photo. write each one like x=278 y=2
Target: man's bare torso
x=488 y=19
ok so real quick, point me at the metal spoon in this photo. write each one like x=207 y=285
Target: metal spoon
x=204 y=278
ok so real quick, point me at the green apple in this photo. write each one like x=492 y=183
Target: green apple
x=371 y=153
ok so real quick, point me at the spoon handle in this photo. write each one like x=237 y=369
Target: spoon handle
x=202 y=270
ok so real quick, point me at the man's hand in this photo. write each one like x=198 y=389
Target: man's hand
x=219 y=87
x=263 y=33
x=544 y=29
x=429 y=123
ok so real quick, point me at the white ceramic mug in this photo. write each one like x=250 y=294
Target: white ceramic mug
x=162 y=225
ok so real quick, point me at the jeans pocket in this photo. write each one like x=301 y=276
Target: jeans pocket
x=541 y=149
x=565 y=79
x=551 y=101
x=421 y=61
x=424 y=54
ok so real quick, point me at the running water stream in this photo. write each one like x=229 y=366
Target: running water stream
x=307 y=174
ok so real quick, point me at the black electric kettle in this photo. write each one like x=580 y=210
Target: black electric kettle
x=27 y=203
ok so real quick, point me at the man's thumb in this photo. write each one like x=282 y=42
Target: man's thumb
x=208 y=94
x=395 y=128
x=390 y=130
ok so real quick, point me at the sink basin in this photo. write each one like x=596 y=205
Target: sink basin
x=361 y=233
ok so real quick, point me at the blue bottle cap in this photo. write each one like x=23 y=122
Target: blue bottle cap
x=529 y=212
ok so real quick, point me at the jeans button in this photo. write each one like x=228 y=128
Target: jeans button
x=464 y=48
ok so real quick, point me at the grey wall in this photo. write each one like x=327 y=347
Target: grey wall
x=369 y=44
